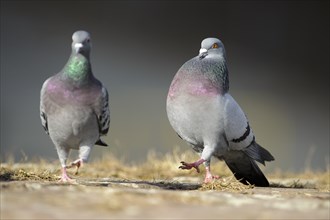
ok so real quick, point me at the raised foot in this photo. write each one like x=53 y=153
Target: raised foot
x=188 y=166
x=77 y=163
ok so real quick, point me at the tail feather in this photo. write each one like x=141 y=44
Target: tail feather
x=245 y=169
x=101 y=143
x=258 y=153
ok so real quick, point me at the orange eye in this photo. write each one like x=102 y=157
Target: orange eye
x=215 y=45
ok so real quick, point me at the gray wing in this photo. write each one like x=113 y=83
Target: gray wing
x=104 y=117
x=244 y=149
x=237 y=128
x=239 y=133
x=43 y=114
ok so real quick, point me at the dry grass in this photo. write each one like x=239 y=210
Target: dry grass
x=22 y=174
x=308 y=179
x=159 y=170
x=229 y=184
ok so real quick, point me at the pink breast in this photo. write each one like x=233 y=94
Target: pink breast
x=202 y=87
x=61 y=94
x=195 y=87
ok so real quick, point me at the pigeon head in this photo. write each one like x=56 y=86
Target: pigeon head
x=81 y=43
x=211 y=46
x=78 y=66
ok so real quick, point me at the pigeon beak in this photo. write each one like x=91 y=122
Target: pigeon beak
x=202 y=50
x=78 y=46
x=202 y=53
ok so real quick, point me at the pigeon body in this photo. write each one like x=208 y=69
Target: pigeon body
x=205 y=115
x=74 y=106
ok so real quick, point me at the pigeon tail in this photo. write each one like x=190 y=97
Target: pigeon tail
x=258 y=153
x=101 y=143
x=245 y=169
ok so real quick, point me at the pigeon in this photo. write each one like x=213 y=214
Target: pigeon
x=206 y=116
x=74 y=106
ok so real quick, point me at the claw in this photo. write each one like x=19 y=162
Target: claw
x=209 y=177
x=65 y=178
x=188 y=166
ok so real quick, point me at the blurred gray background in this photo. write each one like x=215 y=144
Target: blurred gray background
x=278 y=60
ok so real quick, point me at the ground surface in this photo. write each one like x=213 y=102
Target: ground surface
x=31 y=191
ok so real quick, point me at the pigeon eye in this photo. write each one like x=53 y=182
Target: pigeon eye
x=88 y=40
x=215 y=45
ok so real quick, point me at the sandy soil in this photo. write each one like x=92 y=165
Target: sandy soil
x=156 y=189
x=181 y=198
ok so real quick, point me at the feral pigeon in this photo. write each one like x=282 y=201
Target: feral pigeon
x=205 y=115
x=74 y=108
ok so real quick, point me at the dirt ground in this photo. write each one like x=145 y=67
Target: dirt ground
x=31 y=192
x=116 y=199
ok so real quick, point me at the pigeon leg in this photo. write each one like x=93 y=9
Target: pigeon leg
x=65 y=178
x=188 y=166
x=77 y=163
x=209 y=177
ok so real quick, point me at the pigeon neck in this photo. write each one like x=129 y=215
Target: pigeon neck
x=77 y=68
x=218 y=74
x=216 y=71
x=224 y=78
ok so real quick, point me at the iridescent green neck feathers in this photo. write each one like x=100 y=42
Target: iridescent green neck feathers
x=77 y=68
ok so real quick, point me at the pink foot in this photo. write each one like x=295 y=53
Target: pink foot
x=188 y=166
x=209 y=177
x=65 y=178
